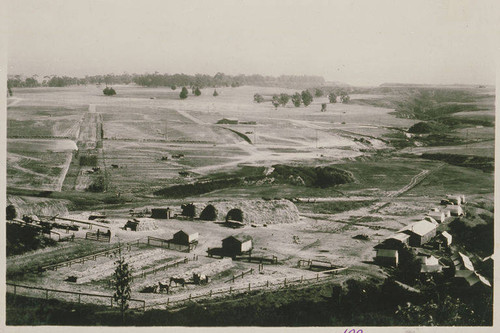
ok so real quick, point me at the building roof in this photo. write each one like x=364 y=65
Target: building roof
x=160 y=208
x=189 y=233
x=431 y=219
x=387 y=253
x=466 y=261
x=446 y=235
x=399 y=236
x=240 y=238
x=431 y=268
x=454 y=208
x=472 y=277
x=420 y=228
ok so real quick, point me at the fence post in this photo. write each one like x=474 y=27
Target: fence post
x=230 y=290
x=111 y=301
x=267 y=283
x=249 y=286
x=79 y=298
x=143 y=306
x=285 y=282
x=46 y=294
x=233 y=278
x=317 y=277
x=251 y=270
x=148 y=240
x=210 y=293
x=189 y=296
x=168 y=300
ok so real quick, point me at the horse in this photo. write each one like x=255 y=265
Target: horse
x=177 y=280
x=162 y=287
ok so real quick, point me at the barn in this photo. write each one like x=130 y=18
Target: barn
x=386 y=257
x=235 y=245
x=420 y=232
x=161 y=213
x=185 y=238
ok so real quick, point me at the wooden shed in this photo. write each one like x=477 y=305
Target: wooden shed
x=420 y=232
x=438 y=216
x=161 y=213
x=185 y=238
x=387 y=257
x=455 y=210
x=236 y=245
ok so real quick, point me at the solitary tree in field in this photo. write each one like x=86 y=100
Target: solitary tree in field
x=10 y=91
x=215 y=93
x=258 y=98
x=318 y=93
x=10 y=212
x=284 y=98
x=197 y=91
x=184 y=93
x=307 y=97
x=173 y=87
x=332 y=97
x=108 y=91
x=296 y=99
x=346 y=98
x=276 y=101
x=323 y=107
x=122 y=278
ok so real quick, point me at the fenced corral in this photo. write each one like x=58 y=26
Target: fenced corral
x=169 y=244
x=70 y=296
x=221 y=292
x=164 y=267
x=80 y=260
x=98 y=236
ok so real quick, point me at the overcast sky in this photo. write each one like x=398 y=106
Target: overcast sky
x=357 y=42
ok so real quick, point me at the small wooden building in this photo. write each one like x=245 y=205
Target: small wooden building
x=438 y=216
x=386 y=257
x=185 y=238
x=236 y=245
x=161 y=213
x=445 y=238
x=455 y=210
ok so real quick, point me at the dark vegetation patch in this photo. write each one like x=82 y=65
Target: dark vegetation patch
x=475 y=233
x=209 y=213
x=88 y=160
x=21 y=239
x=486 y=164
x=334 y=207
x=322 y=177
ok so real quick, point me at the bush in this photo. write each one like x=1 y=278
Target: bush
x=307 y=97
x=423 y=128
x=258 y=98
x=197 y=91
x=10 y=212
x=296 y=99
x=108 y=91
x=184 y=93
x=209 y=213
x=215 y=93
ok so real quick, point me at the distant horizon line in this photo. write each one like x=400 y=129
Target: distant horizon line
x=327 y=81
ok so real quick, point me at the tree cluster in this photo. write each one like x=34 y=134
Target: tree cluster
x=108 y=91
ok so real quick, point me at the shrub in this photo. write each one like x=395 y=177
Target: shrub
x=108 y=91
x=188 y=210
x=184 y=93
x=258 y=98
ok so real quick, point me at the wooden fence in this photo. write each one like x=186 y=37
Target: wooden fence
x=98 y=236
x=71 y=296
x=154 y=270
x=286 y=283
x=169 y=244
x=241 y=275
x=93 y=256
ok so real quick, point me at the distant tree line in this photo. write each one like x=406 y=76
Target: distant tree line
x=168 y=80
x=305 y=98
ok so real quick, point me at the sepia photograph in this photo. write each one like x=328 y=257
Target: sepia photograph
x=248 y=164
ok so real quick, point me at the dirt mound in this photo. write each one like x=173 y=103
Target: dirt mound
x=256 y=211
x=38 y=206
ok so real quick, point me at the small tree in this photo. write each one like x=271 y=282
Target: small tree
x=209 y=213
x=184 y=93
x=235 y=214
x=323 y=107
x=307 y=97
x=296 y=99
x=197 y=91
x=284 y=98
x=215 y=93
x=258 y=98
x=345 y=98
x=10 y=212
x=318 y=92
x=276 y=101
x=122 y=278
x=173 y=87
x=332 y=97
x=108 y=91
x=10 y=91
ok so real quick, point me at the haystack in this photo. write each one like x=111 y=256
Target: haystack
x=256 y=211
